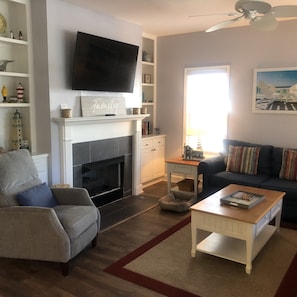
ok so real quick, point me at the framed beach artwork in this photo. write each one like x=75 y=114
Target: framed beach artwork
x=275 y=90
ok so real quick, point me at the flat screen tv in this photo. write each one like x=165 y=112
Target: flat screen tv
x=102 y=64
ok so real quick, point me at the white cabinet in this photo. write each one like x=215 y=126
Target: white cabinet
x=152 y=158
x=41 y=163
x=16 y=16
x=149 y=79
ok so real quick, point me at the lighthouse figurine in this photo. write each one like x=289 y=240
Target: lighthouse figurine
x=20 y=93
x=16 y=131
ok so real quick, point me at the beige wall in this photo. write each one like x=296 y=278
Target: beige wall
x=243 y=49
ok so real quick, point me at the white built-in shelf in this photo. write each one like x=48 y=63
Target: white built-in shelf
x=13 y=41
x=9 y=105
x=148 y=63
x=13 y=74
x=17 y=15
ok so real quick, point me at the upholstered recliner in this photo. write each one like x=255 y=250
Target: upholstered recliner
x=54 y=225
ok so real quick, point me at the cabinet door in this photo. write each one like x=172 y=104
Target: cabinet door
x=158 y=161
x=146 y=164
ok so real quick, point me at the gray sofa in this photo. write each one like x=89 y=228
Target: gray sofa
x=215 y=175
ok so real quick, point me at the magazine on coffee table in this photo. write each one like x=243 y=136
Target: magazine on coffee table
x=242 y=199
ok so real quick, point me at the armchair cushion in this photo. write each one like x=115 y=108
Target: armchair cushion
x=76 y=219
x=40 y=195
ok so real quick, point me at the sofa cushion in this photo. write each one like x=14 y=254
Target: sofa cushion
x=40 y=195
x=288 y=186
x=265 y=155
x=224 y=178
x=243 y=159
x=289 y=165
x=76 y=219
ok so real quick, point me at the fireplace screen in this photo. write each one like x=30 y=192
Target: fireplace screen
x=103 y=178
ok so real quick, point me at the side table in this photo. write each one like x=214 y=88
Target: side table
x=187 y=167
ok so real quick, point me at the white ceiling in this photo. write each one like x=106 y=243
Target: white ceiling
x=169 y=17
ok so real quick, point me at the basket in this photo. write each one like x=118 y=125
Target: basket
x=186 y=185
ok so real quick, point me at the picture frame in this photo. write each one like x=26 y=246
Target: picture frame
x=275 y=90
x=147 y=78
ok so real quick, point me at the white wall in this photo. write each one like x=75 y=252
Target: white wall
x=63 y=21
x=243 y=49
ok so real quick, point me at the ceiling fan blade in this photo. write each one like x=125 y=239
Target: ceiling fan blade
x=285 y=11
x=223 y=24
x=265 y=23
x=214 y=14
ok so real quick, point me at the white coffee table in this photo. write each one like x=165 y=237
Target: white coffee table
x=236 y=234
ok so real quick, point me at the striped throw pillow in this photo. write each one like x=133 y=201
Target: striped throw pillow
x=289 y=165
x=243 y=159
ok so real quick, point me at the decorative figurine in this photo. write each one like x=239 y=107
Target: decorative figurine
x=191 y=154
x=3 y=64
x=20 y=93
x=16 y=131
x=4 y=93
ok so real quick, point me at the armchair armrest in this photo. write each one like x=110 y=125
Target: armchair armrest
x=33 y=233
x=72 y=196
x=210 y=166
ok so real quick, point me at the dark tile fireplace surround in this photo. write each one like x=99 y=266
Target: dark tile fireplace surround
x=104 y=168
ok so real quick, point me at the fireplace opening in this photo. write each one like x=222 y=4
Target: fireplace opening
x=104 y=180
x=104 y=168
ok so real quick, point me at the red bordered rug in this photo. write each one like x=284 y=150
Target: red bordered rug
x=287 y=287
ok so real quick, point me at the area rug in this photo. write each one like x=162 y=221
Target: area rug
x=164 y=265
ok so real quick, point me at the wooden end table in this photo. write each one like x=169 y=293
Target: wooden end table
x=187 y=167
x=236 y=234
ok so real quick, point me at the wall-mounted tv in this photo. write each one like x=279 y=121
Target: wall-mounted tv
x=102 y=64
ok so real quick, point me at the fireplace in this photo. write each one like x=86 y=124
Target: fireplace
x=104 y=168
x=78 y=131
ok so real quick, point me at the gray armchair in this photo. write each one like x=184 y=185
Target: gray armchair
x=56 y=233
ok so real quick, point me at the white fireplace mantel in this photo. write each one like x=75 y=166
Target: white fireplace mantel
x=83 y=129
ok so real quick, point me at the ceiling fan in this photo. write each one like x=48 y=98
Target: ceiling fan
x=260 y=15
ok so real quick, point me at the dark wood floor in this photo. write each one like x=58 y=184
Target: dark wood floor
x=22 y=278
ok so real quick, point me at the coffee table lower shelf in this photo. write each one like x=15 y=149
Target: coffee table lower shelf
x=232 y=248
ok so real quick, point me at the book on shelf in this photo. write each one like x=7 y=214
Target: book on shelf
x=242 y=199
x=146 y=128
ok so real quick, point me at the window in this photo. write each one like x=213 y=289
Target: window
x=206 y=107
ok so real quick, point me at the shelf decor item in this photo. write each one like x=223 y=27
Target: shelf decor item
x=16 y=131
x=146 y=57
x=3 y=64
x=20 y=93
x=3 y=25
x=147 y=78
x=4 y=93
